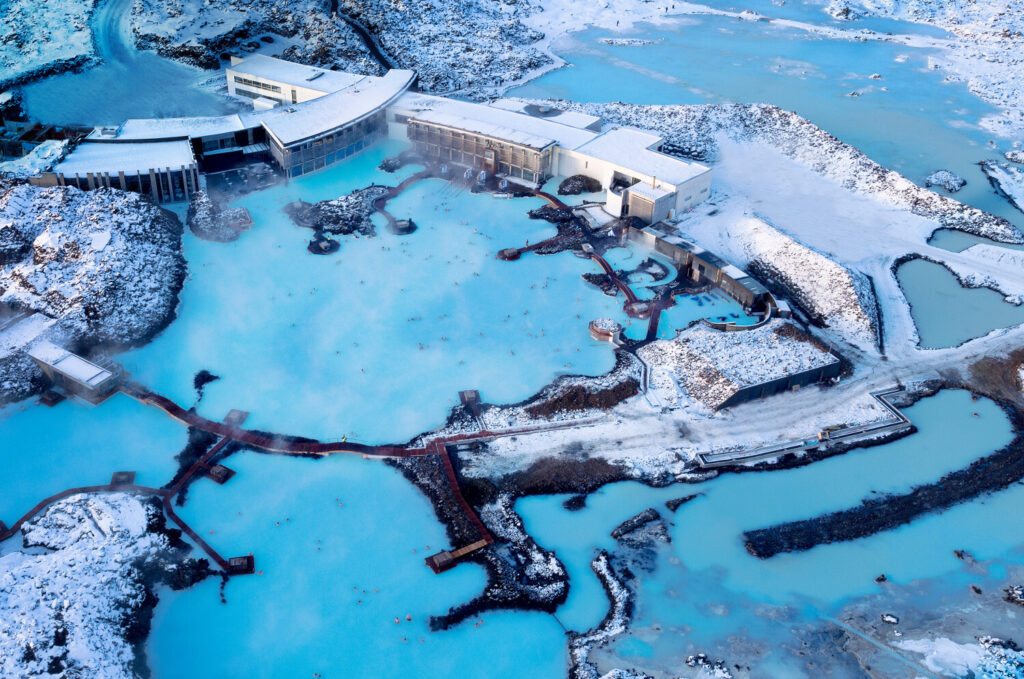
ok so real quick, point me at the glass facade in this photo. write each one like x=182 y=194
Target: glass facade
x=330 y=147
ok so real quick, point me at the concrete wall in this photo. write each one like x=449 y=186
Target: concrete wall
x=797 y=380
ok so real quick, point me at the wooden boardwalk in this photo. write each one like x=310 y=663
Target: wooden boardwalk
x=166 y=496
x=230 y=430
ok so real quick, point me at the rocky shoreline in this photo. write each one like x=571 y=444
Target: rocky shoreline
x=985 y=475
x=110 y=283
x=690 y=132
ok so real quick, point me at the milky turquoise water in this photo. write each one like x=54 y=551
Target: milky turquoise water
x=707 y=588
x=44 y=451
x=958 y=241
x=947 y=314
x=327 y=535
x=344 y=530
x=324 y=346
x=375 y=341
x=910 y=120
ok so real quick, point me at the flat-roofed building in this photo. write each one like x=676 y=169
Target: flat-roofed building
x=449 y=138
x=641 y=181
x=309 y=136
x=285 y=82
x=531 y=143
x=73 y=373
x=165 y=170
x=702 y=266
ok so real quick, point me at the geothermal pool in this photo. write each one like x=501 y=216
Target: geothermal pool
x=375 y=341
x=910 y=120
x=707 y=594
x=343 y=542
x=946 y=313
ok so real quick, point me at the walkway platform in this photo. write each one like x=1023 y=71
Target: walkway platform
x=220 y=474
x=446 y=560
x=119 y=479
x=896 y=423
x=241 y=565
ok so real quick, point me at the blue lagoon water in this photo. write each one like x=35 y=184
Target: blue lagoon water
x=707 y=591
x=911 y=120
x=126 y=83
x=946 y=313
x=47 y=450
x=375 y=341
x=339 y=550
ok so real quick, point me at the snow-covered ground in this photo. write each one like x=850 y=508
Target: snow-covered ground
x=40 y=159
x=106 y=264
x=989 y=658
x=711 y=366
x=833 y=295
x=1006 y=179
x=67 y=597
x=454 y=45
x=785 y=188
x=199 y=31
x=999 y=259
x=41 y=37
x=987 y=51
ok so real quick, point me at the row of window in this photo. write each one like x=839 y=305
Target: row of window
x=220 y=143
x=471 y=160
x=442 y=135
x=255 y=83
x=527 y=161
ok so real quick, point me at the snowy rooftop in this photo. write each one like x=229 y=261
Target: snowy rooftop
x=143 y=129
x=17 y=333
x=279 y=70
x=130 y=157
x=67 y=363
x=296 y=122
x=631 y=149
x=647 y=191
x=713 y=365
x=570 y=118
x=499 y=118
x=489 y=129
x=670 y=235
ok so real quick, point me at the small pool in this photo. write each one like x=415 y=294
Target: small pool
x=946 y=313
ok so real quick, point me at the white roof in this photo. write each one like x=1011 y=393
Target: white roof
x=69 y=364
x=22 y=331
x=172 y=128
x=570 y=118
x=295 y=122
x=652 y=193
x=291 y=73
x=630 y=149
x=482 y=115
x=130 y=157
x=488 y=129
